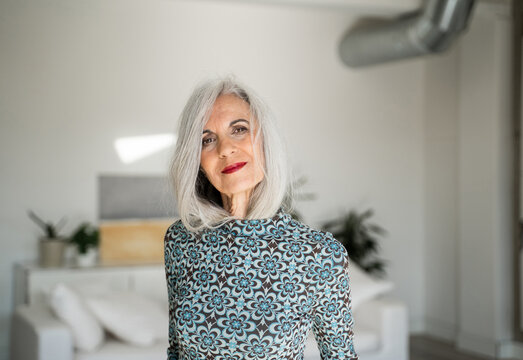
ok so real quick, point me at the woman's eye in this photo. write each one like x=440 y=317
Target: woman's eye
x=239 y=129
x=206 y=141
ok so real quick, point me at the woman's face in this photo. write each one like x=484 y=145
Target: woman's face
x=227 y=157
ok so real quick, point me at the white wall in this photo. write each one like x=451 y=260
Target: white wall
x=424 y=142
x=76 y=75
x=469 y=171
x=441 y=193
x=485 y=178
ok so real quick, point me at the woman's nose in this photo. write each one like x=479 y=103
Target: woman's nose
x=226 y=148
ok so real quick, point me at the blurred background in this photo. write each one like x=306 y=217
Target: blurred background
x=426 y=142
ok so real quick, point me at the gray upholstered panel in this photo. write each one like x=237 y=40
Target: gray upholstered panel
x=134 y=197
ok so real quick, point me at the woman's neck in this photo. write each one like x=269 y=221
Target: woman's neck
x=237 y=204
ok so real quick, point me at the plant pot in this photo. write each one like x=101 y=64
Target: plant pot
x=70 y=254
x=90 y=258
x=51 y=252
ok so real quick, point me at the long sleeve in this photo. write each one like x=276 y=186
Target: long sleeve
x=172 y=350
x=333 y=321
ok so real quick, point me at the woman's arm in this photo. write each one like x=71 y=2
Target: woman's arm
x=172 y=350
x=333 y=322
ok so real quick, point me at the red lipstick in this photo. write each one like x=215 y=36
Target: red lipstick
x=234 y=167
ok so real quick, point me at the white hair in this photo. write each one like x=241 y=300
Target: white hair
x=198 y=201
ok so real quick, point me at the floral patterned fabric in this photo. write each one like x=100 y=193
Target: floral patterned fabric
x=253 y=289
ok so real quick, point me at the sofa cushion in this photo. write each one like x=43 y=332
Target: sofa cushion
x=363 y=287
x=366 y=340
x=87 y=332
x=130 y=316
x=114 y=349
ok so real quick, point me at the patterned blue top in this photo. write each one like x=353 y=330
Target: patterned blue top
x=253 y=289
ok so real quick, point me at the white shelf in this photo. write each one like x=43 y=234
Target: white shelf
x=377 y=7
x=32 y=282
x=33 y=265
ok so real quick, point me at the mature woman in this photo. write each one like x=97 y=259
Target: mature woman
x=245 y=280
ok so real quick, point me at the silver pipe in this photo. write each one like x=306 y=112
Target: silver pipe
x=429 y=30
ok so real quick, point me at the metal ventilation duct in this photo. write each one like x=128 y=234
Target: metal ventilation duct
x=428 y=30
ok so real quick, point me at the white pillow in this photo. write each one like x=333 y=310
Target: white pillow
x=363 y=287
x=88 y=334
x=130 y=316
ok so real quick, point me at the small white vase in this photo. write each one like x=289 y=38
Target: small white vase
x=70 y=255
x=90 y=258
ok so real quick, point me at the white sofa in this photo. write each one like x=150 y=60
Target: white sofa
x=381 y=323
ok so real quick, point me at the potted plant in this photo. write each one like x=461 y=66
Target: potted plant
x=86 y=238
x=52 y=245
x=360 y=239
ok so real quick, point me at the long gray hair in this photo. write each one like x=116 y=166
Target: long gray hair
x=198 y=201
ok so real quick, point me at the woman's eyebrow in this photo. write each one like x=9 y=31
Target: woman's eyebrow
x=231 y=124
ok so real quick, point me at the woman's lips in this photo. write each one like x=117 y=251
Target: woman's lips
x=234 y=167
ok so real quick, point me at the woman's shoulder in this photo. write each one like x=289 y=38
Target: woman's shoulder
x=324 y=241
x=175 y=230
x=177 y=223
x=309 y=231
x=306 y=229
